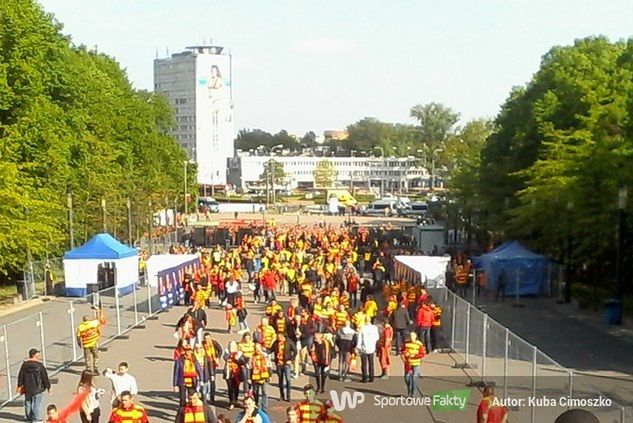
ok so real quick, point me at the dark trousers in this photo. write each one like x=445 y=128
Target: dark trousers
x=321 y=376
x=285 y=384
x=401 y=336
x=183 y=394
x=96 y=413
x=367 y=367
x=353 y=298
x=436 y=337
x=233 y=387
x=424 y=335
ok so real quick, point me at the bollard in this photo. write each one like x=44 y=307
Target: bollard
x=40 y=323
x=6 y=358
x=71 y=313
x=118 y=311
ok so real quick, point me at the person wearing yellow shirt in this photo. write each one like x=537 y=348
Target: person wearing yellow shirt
x=370 y=307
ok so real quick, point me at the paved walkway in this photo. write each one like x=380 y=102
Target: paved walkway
x=149 y=349
x=576 y=339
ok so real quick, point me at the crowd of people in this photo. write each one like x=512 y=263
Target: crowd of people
x=331 y=301
x=334 y=316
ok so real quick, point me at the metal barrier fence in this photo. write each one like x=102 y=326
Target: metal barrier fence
x=516 y=368
x=53 y=330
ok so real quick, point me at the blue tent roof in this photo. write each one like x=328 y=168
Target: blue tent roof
x=101 y=246
x=511 y=251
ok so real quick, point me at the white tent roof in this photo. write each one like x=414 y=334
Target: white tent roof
x=432 y=269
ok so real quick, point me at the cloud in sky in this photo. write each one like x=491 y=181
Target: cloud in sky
x=326 y=45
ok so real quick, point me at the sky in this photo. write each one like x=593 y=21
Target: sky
x=304 y=65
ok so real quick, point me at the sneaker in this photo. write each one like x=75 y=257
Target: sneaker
x=295 y=376
x=347 y=380
x=231 y=407
x=384 y=377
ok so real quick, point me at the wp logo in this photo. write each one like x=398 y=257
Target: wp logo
x=346 y=400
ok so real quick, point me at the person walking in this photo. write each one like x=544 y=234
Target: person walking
x=195 y=411
x=32 y=382
x=502 y=281
x=121 y=381
x=127 y=411
x=423 y=322
x=400 y=323
x=90 y=411
x=368 y=337
x=187 y=373
x=260 y=377
x=384 y=347
x=412 y=354
x=346 y=342
x=88 y=335
x=321 y=354
x=284 y=352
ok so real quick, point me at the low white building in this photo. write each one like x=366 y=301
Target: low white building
x=383 y=173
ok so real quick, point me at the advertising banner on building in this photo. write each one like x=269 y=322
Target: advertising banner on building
x=214 y=117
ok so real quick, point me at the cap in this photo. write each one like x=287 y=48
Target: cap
x=33 y=351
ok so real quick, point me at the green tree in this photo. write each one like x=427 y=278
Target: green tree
x=324 y=174
x=273 y=172
x=70 y=122
x=436 y=123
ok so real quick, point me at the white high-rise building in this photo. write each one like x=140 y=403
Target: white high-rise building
x=197 y=83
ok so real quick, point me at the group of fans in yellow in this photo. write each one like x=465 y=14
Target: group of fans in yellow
x=333 y=317
x=342 y=308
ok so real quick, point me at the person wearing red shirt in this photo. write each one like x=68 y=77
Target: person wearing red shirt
x=423 y=322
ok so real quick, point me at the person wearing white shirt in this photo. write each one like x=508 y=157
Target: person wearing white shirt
x=121 y=381
x=367 y=339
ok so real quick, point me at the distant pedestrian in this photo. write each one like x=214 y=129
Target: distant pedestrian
x=88 y=336
x=501 y=285
x=32 y=382
x=368 y=337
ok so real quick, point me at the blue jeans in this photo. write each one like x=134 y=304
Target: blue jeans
x=424 y=335
x=284 y=374
x=261 y=396
x=33 y=408
x=411 y=380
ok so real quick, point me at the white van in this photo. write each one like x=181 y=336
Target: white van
x=382 y=208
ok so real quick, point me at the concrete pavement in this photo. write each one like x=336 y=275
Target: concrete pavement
x=149 y=350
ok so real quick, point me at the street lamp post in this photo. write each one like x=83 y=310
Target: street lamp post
x=185 y=163
x=437 y=150
x=622 y=200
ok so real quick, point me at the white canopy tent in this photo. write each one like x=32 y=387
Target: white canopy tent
x=429 y=270
x=81 y=265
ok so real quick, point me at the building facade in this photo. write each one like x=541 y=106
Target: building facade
x=383 y=174
x=197 y=83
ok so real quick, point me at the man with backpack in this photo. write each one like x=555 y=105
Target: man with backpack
x=32 y=382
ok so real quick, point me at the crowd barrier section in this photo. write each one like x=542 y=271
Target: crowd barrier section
x=53 y=330
x=497 y=357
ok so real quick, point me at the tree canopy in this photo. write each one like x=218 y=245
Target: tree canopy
x=70 y=122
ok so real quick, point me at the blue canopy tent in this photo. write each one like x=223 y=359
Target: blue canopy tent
x=81 y=265
x=518 y=263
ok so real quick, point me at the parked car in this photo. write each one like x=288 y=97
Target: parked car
x=316 y=209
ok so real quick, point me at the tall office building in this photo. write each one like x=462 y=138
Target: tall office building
x=197 y=83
